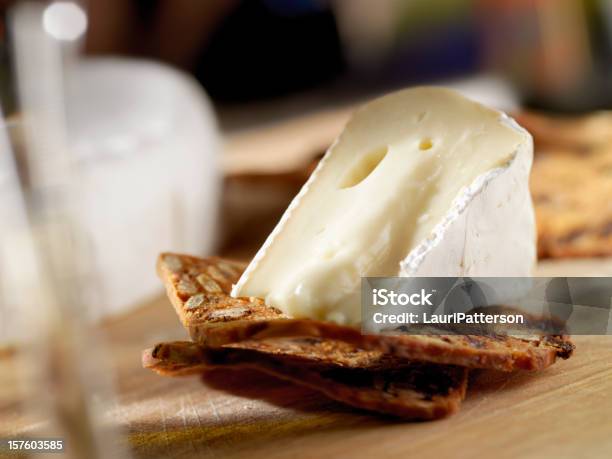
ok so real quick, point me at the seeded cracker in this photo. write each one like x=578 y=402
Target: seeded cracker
x=214 y=319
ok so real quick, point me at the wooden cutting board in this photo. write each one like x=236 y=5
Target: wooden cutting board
x=565 y=411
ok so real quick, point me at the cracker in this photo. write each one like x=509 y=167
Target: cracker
x=363 y=379
x=571 y=194
x=215 y=319
x=571 y=182
x=577 y=133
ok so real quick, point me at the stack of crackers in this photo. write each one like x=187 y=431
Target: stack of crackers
x=409 y=376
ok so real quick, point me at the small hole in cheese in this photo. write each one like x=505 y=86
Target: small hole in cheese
x=364 y=167
x=425 y=144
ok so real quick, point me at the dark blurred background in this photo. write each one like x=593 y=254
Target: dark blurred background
x=556 y=53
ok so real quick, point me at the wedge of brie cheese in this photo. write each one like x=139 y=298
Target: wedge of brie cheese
x=422 y=182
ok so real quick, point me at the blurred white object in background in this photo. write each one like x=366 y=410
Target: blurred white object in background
x=146 y=141
x=488 y=89
x=12 y=220
x=64 y=21
x=148 y=149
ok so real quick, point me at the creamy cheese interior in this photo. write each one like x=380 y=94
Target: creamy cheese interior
x=384 y=184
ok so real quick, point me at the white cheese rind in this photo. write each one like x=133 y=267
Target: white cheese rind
x=490 y=229
x=445 y=193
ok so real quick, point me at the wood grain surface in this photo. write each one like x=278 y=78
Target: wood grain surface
x=565 y=411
